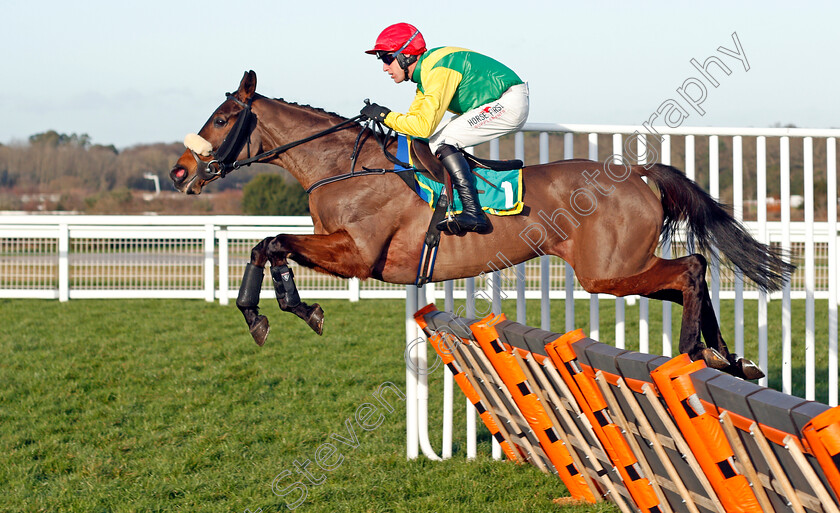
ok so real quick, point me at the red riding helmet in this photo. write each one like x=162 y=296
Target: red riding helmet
x=396 y=39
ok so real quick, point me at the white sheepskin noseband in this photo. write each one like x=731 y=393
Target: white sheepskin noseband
x=198 y=144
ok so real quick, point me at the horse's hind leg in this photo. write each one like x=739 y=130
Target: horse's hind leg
x=716 y=354
x=682 y=281
x=738 y=366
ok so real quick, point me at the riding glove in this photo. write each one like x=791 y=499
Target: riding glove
x=375 y=112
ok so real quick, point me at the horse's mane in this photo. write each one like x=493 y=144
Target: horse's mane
x=310 y=108
x=318 y=110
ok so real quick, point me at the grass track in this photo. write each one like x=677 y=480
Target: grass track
x=158 y=405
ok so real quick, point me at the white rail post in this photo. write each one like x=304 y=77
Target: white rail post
x=618 y=149
x=787 y=337
x=738 y=211
x=714 y=191
x=810 y=274
x=665 y=158
x=224 y=266
x=545 y=260
x=353 y=290
x=761 y=206
x=421 y=371
x=448 y=381
x=412 y=437
x=594 y=313
x=831 y=183
x=209 y=263
x=644 y=303
x=569 y=153
x=63 y=262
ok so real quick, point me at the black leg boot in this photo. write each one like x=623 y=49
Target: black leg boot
x=471 y=218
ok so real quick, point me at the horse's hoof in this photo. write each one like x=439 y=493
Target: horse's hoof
x=316 y=319
x=714 y=359
x=748 y=370
x=260 y=329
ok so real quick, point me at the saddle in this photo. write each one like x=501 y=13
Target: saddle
x=426 y=163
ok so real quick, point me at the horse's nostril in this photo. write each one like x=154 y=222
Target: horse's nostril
x=178 y=174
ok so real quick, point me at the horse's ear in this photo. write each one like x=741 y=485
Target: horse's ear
x=248 y=86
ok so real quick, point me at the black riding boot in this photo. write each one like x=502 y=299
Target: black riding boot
x=471 y=218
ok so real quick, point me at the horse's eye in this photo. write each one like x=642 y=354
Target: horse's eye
x=220 y=122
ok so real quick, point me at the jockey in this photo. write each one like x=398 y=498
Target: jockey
x=488 y=98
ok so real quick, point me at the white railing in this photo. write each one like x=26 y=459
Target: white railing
x=70 y=256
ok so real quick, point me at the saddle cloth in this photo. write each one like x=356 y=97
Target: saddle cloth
x=503 y=198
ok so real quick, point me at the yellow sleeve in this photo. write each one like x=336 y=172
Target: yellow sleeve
x=428 y=108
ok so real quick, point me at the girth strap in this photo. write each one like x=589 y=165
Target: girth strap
x=430 y=244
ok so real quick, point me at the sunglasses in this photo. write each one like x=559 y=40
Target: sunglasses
x=386 y=57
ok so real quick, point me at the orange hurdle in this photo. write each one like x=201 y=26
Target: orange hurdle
x=510 y=372
x=704 y=434
x=594 y=406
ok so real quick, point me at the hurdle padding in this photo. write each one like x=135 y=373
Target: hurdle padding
x=646 y=495
x=704 y=434
x=444 y=343
x=542 y=444
x=822 y=433
x=525 y=395
x=454 y=343
x=528 y=346
x=772 y=428
x=649 y=433
x=653 y=443
x=628 y=381
x=756 y=414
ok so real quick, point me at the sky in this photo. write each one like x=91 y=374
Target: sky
x=131 y=72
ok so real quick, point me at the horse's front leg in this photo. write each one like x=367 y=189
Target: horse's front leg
x=284 y=289
x=288 y=297
x=249 y=293
x=334 y=254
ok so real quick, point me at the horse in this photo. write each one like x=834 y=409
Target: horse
x=605 y=221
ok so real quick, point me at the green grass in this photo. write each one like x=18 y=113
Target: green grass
x=159 y=405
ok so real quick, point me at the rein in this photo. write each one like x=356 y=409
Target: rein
x=381 y=138
x=281 y=149
x=239 y=136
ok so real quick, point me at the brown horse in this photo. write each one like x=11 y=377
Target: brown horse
x=604 y=220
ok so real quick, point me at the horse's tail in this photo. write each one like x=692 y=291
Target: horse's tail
x=712 y=226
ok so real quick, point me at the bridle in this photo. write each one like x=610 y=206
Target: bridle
x=224 y=158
